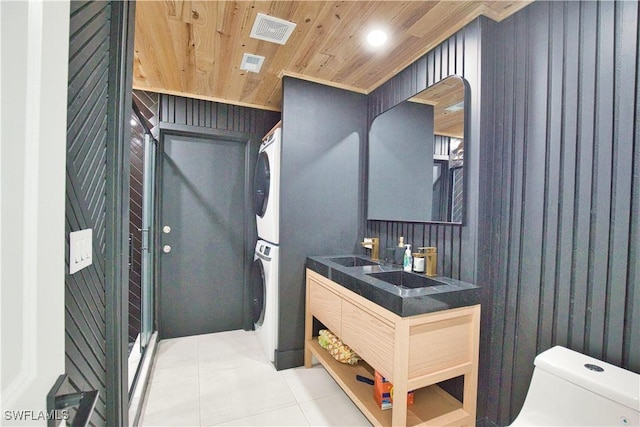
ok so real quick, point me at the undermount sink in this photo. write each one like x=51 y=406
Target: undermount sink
x=405 y=279
x=352 y=261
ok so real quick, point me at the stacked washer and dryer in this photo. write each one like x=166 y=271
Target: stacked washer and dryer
x=264 y=270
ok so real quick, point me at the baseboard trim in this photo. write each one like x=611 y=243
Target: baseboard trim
x=288 y=359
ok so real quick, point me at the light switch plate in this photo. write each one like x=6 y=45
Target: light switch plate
x=80 y=249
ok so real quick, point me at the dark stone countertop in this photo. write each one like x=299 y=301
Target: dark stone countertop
x=444 y=293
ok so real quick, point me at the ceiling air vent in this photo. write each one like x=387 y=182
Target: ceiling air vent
x=251 y=62
x=272 y=29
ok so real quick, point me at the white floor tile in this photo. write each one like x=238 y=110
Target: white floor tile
x=289 y=416
x=223 y=336
x=173 y=403
x=310 y=384
x=334 y=410
x=240 y=393
x=175 y=372
x=177 y=352
x=226 y=379
x=215 y=355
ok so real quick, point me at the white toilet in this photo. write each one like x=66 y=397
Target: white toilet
x=572 y=389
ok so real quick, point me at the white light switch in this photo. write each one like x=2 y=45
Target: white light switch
x=80 y=249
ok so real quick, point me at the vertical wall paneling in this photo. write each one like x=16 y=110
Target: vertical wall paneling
x=457 y=55
x=563 y=191
x=625 y=235
x=584 y=164
x=551 y=231
x=488 y=161
x=195 y=113
x=553 y=119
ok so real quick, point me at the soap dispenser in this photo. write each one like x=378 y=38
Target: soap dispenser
x=408 y=261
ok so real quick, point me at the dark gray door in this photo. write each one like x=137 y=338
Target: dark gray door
x=202 y=262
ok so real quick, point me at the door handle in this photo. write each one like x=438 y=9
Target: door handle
x=144 y=232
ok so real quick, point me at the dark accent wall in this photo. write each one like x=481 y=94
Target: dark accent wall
x=562 y=190
x=214 y=115
x=456 y=245
x=85 y=299
x=95 y=127
x=324 y=131
x=198 y=117
x=551 y=224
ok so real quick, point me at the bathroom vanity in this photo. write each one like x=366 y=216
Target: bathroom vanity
x=416 y=334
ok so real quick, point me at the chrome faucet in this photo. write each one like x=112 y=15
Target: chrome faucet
x=372 y=243
x=432 y=261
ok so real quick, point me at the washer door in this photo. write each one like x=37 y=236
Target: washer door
x=261 y=183
x=258 y=294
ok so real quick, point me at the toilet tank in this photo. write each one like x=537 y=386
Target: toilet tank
x=572 y=389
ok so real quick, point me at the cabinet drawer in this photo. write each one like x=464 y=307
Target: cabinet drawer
x=325 y=306
x=369 y=336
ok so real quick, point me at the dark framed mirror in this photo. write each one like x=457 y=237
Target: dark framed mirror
x=416 y=157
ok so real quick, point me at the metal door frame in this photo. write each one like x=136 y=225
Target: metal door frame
x=117 y=202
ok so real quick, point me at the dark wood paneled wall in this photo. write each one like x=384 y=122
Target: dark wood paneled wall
x=446 y=238
x=564 y=191
x=85 y=298
x=456 y=245
x=213 y=115
x=95 y=342
x=551 y=227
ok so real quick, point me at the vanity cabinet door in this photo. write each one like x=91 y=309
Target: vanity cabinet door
x=325 y=306
x=370 y=336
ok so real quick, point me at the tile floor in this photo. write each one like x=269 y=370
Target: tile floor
x=225 y=379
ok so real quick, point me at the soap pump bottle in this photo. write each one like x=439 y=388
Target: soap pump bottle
x=408 y=261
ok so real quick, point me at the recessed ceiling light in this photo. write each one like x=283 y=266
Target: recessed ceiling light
x=377 y=38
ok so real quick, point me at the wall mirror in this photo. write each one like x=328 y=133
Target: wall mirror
x=416 y=157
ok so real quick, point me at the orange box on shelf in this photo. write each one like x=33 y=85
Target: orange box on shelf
x=383 y=392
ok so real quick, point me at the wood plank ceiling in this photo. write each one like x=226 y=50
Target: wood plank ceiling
x=194 y=48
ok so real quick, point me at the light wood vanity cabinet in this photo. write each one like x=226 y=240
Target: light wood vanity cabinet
x=327 y=305
x=414 y=353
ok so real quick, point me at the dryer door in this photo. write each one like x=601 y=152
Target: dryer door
x=261 y=183
x=258 y=294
